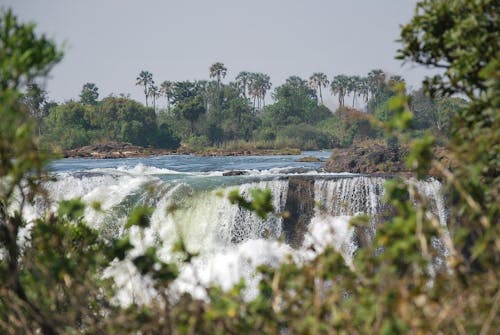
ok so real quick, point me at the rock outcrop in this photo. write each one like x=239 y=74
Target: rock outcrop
x=299 y=207
x=309 y=159
x=368 y=159
x=376 y=159
x=234 y=173
x=114 y=150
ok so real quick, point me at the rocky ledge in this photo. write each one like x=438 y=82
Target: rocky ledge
x=377 y=159
x=246 y=152
x=126 y=150
x=114 y=150
x=372 y=159
x=309 y=159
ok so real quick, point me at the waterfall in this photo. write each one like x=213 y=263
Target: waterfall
x=207 y=221
x=353 y=196
x=230 y=241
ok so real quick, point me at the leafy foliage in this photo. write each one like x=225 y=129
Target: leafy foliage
x=75 y=124
x=89 y=94
x=260 y=203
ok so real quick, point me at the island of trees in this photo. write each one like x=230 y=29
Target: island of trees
x=195 y=116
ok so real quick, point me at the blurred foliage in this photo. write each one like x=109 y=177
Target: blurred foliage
x=401 y=283
x=261 y=202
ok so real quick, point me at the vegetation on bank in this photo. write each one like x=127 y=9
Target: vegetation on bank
x=202 y=115
x=54 y=283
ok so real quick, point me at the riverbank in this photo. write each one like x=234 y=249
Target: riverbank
x=112 y=150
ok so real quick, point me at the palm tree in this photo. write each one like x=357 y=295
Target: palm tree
x=145 y=79
x=218 y=70
x=364 y=89
x=154 y=93
x=394 y=80
x=166 y=90
x=202 y=87
x=376 y=79
x=253 y=90
x=339 y=87
x=317 y=81
x=243 y=81
x=259 y=85
x=263 y=85
x=353 y=86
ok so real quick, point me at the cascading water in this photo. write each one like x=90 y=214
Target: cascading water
x=230 y=241
x=359 y=195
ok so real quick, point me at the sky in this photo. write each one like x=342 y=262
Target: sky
x=108 y=42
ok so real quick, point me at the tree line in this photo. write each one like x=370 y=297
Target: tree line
x=207 y=113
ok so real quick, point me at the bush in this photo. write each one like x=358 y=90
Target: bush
x=348 y=126
x=196 y=144
x=304 y=136
x=166 y=138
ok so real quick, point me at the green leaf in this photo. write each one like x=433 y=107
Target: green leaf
x=72 y=209
x=140 y=217
x=120 y=248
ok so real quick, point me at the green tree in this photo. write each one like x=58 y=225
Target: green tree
x=464 y=42
x=354 y=87
x=24 y=56
x=436 y=113
x=218 y=71
x=35 y=100
x=462 y=39
x=67 y=125
x=191 y=110
x=184 y=90
x=89 y=94
x=166 y=90
x=376 y=81
x=243 y=81
x=339 y=86
x=145 y=79
x=382 y=89
x=295 y=102
x=317 y=81
x=113 y=116
x=154 y=93
x=364 y=89
x=258 y=86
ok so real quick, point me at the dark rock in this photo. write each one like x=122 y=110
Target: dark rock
x=300 y=209
x=381 y=160
x=309 y=159
x=234 y=173
x=369 y=159
x=298 y=170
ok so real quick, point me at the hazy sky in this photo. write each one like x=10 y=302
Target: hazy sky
x=109 y=42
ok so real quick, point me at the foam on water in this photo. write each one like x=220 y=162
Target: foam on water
x=228 y=264
x=137 y=170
